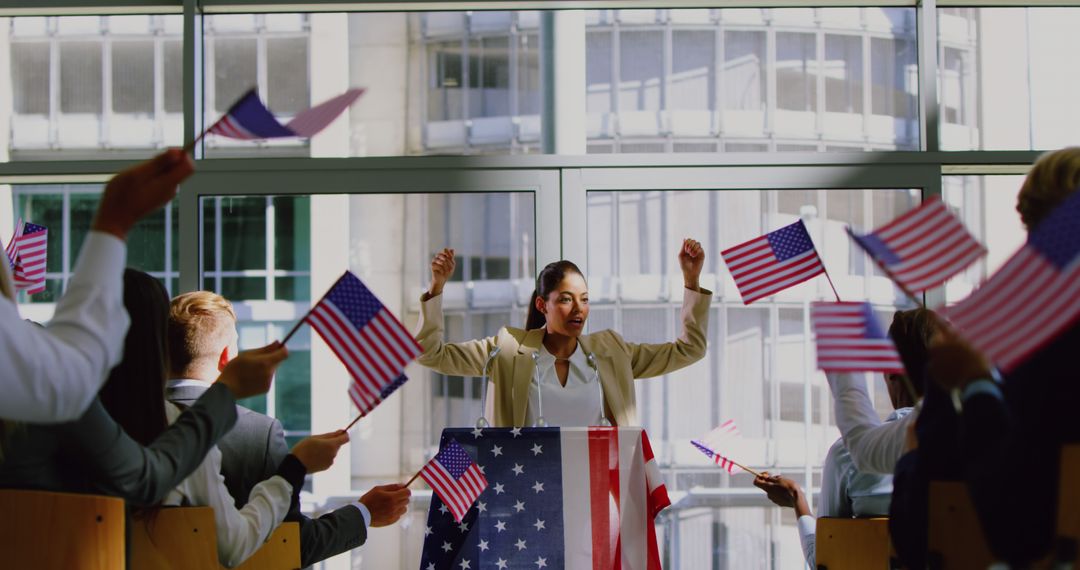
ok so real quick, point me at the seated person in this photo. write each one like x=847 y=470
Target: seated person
x=95 y=455
x=53 y=374
x=134 y=395
x=846 y=491
x=202 y=339
x=1024 y=420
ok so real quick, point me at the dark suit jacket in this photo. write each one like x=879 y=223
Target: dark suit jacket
x=94 y=455
x=1012 y=450
x=250 y=453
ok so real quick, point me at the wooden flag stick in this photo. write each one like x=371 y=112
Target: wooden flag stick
x=352 y=423
x=414 y=477
x=296 y=327
x=829 y=277
x=744 y=468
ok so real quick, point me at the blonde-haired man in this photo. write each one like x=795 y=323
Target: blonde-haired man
x=202 y=340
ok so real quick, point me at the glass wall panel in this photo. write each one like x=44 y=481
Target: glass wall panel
x=1006 y=77
x=92 y=87
x=759 y=370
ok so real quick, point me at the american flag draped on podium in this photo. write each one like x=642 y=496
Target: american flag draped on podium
x=773 y=262
x=850 y=339
x=27 y=254
x=1033 y=298
x=556 y=498
x=372 y=344
x=716 y=445
x=922 y=248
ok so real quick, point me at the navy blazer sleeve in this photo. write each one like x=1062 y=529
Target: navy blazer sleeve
x=329 y=535
x=119 y=466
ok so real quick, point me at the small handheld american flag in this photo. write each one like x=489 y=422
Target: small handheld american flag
x=27 y=254
x=922 y=248
x=850 y=339
x=1033 y=298
x=249 y=119
x=773 y=262
x=719 y=438
x=455 y=478
x=372 y=344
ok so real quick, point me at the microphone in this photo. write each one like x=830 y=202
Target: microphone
x=540 y=421
x=482 y=422
x=604 y=422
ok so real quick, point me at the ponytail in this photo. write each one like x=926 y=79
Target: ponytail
x=549 y=278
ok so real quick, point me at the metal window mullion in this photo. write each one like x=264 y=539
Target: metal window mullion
x=217 y=244
x=262 y=80
x=718 y=65
x=770 y=82
x=159 y=89
x=819 y=83
x=929 y=100
x=168 y=249
x=466 y=74
x=54 y=88
x=867 y=82
x=65 y=224
x=106 y=91
x=616 y=80
x=808 y=365
x=271 y=394
x=667 y=49
x=271 y=247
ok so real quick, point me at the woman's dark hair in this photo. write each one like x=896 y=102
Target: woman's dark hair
x=911 y=331
x=134 y=394
x=546 y=282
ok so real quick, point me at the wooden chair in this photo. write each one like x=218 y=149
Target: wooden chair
x=44 y=530
x=853 y=544
x=956 y=539
x=184 y=538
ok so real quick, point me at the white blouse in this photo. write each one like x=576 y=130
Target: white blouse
x=574 y=405
x=239 y=532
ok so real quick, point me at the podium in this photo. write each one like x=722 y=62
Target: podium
x=556 y=498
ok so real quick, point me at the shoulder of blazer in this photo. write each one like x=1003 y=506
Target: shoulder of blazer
x=606 y=342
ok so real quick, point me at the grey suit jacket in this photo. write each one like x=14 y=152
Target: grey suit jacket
x=250 y=453
x=94 y=455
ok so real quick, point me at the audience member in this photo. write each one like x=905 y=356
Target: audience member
x=203 y=339
x=53 y=374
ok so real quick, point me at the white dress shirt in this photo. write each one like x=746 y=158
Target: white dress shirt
x=576 y=404
x=875 y=446
x=239 y=532
x=52 y=374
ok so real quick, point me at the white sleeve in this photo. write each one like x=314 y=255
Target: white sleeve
x=875 y=446
x=239 y=532
x=807 y=537
x=833 y=501
x=54 y=373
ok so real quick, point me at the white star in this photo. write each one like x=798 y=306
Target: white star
x=500 y=526
x=500 y=563
x=443 y=509
x=483 y=545
x=431 y=566
x=463 y=527
x=465 y=564
x=538 y=487
x=541 y=562
x=499 y=489
x=519 y=506
x=481 y=506
x=520 y=545
x=518 y=469
x=496 y=451
x=481 y=468
x=427 y=531
x=537 y=449
x=446 y=547
x=477 y=432
x=539 y=524
x=515 y=432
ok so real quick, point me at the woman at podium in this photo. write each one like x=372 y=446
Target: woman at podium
x=550 y=372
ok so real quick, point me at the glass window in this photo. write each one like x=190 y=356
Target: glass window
x=133 y=77
x=80 y=77
x=641 y=70
x=30 y=77
x=287 y=75
x=744 y=70
x=693 y=74
x=796 y=70
x=235 y=70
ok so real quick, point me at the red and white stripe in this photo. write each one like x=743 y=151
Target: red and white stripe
x=932 y=244
x=758 y=273
x=308 y=123
x=842 y=343
x=608 y=523
x=458 y=494
x=229 y=127
x=374 y=355
x=30 y=254
x=1021 y=309
x=721 y=437
x=12 y=250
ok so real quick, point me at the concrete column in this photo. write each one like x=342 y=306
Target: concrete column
x=563 y=70
x=7 y=108
x=379 y=58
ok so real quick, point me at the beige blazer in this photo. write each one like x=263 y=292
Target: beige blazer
x=619 y=362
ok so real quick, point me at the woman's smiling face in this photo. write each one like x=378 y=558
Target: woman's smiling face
x=567 y=307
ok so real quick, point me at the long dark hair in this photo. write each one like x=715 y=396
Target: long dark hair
x=911 y=331
x=134 y=394
x=546 y=282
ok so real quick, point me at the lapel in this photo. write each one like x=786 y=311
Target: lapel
x=523 y=372
x=612 y=389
